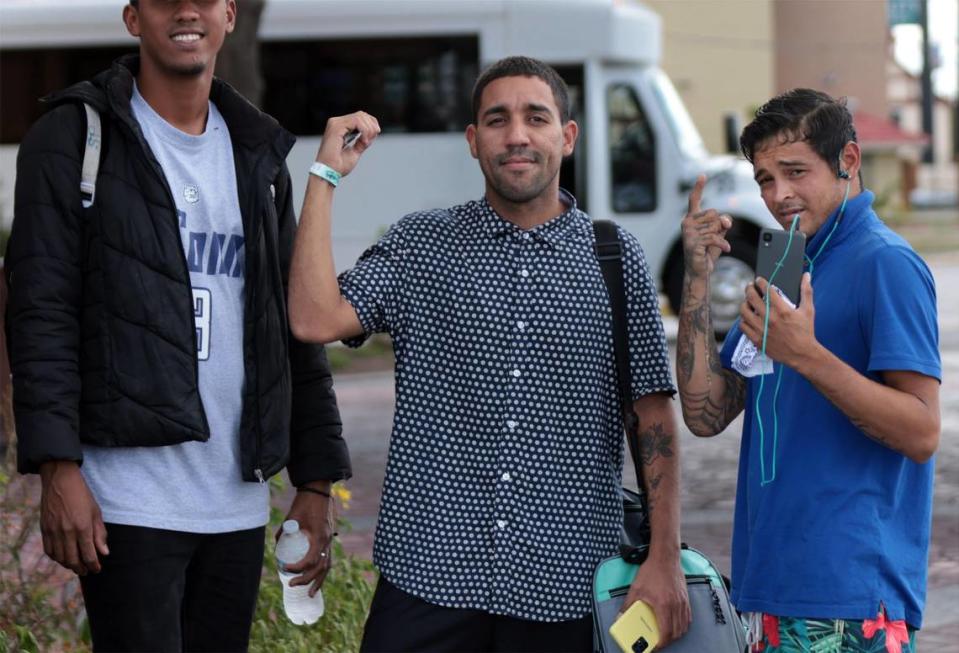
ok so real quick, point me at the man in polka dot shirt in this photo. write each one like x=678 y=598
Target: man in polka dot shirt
x=502 y=485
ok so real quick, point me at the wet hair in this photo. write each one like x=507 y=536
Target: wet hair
x=806 y=115
x=523 y=67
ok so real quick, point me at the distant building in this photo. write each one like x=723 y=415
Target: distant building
x=934 y=183
x=720 y=57
x=839 y=47
x=890 y=157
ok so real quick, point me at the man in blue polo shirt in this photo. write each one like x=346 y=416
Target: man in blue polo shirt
x=834 y=498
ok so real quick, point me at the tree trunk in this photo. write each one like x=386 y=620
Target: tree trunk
x=238 y=62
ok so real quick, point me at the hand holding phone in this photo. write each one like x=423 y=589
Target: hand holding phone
x=636 y=630
x=778 y=266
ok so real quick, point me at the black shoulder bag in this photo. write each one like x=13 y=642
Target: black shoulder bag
x=715 y=628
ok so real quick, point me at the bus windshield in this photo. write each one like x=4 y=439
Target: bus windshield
x=680 y=123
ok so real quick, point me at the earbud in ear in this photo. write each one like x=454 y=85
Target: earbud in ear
x=843 y=174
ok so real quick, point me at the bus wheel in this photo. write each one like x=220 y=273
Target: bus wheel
x=727 y=284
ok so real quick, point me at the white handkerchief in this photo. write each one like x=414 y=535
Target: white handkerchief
x=747 y=359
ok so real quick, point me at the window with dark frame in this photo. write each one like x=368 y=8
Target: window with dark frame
x=412 y=85
x=28 y=75
x=632 y=152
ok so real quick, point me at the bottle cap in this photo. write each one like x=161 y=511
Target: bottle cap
x=291 y=526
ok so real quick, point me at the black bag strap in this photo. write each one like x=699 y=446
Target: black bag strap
x=609 y=253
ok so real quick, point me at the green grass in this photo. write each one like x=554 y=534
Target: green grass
x=929 y=232
x=376 y=353
x=347 y=593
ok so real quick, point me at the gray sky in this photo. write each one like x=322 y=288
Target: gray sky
x=943 y=24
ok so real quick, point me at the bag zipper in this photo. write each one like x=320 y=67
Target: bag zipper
x=690 y=580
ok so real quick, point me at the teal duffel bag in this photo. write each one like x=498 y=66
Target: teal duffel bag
x=715 y=627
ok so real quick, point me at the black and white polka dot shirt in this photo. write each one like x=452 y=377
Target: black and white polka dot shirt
x=502 y=484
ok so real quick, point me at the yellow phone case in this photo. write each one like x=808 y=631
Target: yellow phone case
x=636 y=630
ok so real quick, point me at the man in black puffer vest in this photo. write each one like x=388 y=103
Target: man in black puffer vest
x=156 y=382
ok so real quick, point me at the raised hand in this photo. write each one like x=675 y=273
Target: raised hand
x=332 y=151
x=791 y=331
x=704 y=234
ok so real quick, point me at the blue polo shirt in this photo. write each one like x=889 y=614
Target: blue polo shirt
x=845 y=524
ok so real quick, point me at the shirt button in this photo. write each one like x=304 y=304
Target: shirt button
x=506 y=476
x=501 y=523
x=516 y=373
x=524 y=273
x=511 y=424
x=521 y=325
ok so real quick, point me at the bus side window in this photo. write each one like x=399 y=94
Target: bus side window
x=632 y=153
x=412 y=85
x=30 y=74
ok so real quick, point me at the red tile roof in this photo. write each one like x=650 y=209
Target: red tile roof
x=874 y=131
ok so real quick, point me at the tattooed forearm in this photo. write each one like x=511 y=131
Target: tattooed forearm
x=701 y=413
x=693 y=320
x=711 y=396
x=735 y=394
x=705 y=415
x=655 y=442
x=862 y=426
x=652 y=496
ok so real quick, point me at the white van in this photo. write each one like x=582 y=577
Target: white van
x=412 y=63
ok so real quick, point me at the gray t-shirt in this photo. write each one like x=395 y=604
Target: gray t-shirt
x=195 y=486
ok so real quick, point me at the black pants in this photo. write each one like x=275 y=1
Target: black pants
x=400 y=622
x=171 y=591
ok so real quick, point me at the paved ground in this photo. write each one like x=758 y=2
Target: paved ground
x=709 y=472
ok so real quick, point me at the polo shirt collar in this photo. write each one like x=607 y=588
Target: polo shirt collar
x=856 y=208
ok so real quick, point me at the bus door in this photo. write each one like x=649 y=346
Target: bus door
x=573 y=173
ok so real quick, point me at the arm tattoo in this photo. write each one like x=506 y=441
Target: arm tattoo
x=700 y=408
x=713 y=417
x=652 y=497
x=654 y=442
x=875 y=437
x=697 y=320
x=735 y=394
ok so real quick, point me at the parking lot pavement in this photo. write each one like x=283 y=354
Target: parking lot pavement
x=709 y=472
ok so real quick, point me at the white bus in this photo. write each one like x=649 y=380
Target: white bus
x=412 y=63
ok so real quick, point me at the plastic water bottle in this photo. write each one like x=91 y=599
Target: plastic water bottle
x=300 y=607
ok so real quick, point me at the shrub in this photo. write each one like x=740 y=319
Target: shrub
x=347 y=592
x=41 y=607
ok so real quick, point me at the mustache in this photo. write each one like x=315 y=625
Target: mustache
x=519 y=153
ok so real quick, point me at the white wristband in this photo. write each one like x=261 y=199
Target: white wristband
x=326 y=173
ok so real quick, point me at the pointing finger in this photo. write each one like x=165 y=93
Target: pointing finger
x=696 y=195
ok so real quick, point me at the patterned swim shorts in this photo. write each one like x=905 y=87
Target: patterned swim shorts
x=792 y=635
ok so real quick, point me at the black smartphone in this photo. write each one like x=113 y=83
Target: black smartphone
x=772 y=250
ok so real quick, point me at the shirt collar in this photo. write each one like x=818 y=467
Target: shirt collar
x=551 y=232
x=856 y=207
